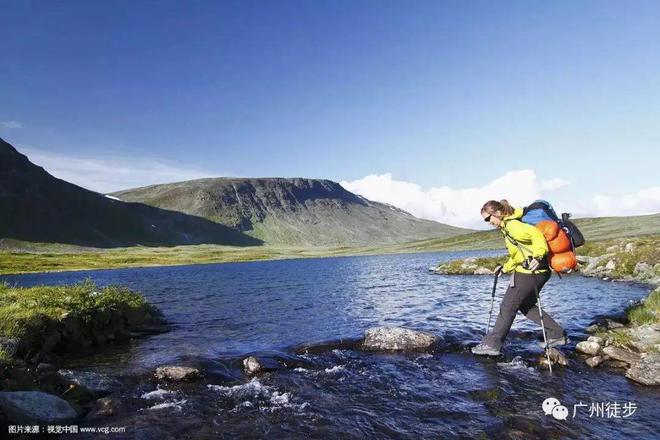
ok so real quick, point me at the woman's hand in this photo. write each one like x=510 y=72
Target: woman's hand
x=533 y=264
x=498 y=270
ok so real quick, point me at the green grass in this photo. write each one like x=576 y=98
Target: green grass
x=27 y=314
x=595 y=231
x=23 y=262
x=648 y=312
x=24 y=257
x=619 y=337
x=26 y=262
x=646 y=249
x=482 y=240
x=4 y=357
x=604 y=228
x=20 y=262
x=460 y=267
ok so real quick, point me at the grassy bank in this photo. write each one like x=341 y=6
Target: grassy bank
x=86 y=259
x=18 y=257
x=470 y=266
x=647 y=312
x=594 y=229
x=631 y=258
x=628 y=256
x=23 y=257
x=640 y=335
x=38 y=320
x=52 y=260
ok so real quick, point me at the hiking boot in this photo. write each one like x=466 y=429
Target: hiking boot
x=485 y=350
x=557 y=342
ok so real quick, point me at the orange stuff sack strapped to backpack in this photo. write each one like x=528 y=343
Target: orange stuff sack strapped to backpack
x=556 y=237
x=561 y=257
x=564 y=262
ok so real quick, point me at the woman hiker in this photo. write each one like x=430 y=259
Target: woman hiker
x=528 y=263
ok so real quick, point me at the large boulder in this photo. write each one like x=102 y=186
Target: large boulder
x=596 y=339
x=483 y=271
x=595 y=361
x=176 y=374
x=613 y=363
x=94 y=383
x=612 y=324
x=645 y=337
x=35 y=407
x=646 y=371
x=398 y=339
x=588 y=347
x=621 y=354
x=641 y=267
x=593 y=328
x=251 y=365
x=595 y=265
x=556 y=358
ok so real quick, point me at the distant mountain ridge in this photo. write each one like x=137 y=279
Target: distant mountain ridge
x=37 y=207
x=291 y=211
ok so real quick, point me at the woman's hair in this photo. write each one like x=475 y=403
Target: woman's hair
x=492 y=206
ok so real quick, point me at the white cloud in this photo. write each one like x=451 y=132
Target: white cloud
x=553 y=184
x=10 y=124
x=455 y=206
x=113 y=174
x=645 y=201
x=460 y=206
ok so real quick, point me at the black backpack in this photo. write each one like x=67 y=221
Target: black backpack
x=573 y=232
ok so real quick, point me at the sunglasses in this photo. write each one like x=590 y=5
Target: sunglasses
x=487 y=219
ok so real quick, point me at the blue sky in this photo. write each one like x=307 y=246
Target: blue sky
x=433 y=94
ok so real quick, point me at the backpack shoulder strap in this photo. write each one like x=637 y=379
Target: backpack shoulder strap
x=513 y=240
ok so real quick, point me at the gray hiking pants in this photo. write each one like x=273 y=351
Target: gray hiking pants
x=521 y=295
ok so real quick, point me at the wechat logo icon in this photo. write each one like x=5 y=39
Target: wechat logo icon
x=552 y=406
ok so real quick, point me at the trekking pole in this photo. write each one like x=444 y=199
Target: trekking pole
x=545 y=339
x=492 y=301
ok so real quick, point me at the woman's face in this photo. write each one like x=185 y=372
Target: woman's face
x=494 y=218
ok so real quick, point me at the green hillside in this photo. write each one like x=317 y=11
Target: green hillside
x=37 y=207
x=594 y=229
x=291 y=212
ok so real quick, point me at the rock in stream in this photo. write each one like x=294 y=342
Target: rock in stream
x=398 y=339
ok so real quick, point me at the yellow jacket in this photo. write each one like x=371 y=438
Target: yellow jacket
x=530 y=242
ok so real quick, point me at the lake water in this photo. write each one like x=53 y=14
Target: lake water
x=222 y=313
